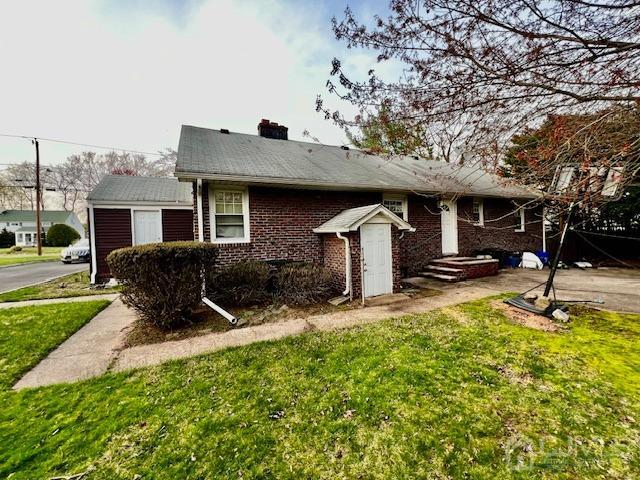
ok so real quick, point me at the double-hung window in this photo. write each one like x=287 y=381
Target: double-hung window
x=230 y=215
x=397 y=204
x=478 y=212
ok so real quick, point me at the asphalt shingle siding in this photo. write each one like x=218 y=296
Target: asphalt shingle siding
x=235 y=156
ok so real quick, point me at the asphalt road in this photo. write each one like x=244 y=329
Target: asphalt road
x=17 y=276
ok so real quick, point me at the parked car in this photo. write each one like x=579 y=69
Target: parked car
x=78 y=252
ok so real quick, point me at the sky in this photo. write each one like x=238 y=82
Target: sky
x=128 y=73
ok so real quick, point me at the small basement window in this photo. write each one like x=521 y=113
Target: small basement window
x=478 y=212
x=230 y=216
x=397 y=204
x=519 y=219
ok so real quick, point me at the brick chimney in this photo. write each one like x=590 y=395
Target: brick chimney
x=269 y=129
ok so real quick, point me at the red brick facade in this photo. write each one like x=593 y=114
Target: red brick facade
x=282 y=222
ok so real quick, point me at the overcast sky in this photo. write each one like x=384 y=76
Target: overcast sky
x=129 y=73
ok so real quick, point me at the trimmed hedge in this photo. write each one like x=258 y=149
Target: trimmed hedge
x=242 y=283
x=163 y=281
x=303 y=283
x=252 y=282
x=61 y=235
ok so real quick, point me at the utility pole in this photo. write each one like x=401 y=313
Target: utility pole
x=38 y=219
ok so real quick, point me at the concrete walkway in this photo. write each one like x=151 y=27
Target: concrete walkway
x=48 y=301
x=97 y=347
x=393 y=306
x=88 y=353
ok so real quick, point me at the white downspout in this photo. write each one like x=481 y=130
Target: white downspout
x=92 y=234
x=347 y=267
x=199 y=208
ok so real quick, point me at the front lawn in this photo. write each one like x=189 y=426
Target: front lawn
x=28 y=255
x=457 y=393
x=74 y=285
x=28 y=334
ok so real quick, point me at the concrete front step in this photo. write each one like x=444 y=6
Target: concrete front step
x=445 y=270
x=462 y=261
x=440 y=276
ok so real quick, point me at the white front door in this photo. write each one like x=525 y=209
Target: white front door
x=376 y=251
x=146 y=226
x=449 y=224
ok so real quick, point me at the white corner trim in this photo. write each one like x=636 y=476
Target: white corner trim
x=94 y=254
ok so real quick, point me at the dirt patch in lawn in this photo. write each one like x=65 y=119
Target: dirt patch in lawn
x=527 y=319
x=204 y=320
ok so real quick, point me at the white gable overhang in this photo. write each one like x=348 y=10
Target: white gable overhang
x=350 y=220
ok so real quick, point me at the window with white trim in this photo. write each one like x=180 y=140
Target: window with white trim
x=478 y=212
x=519 y=219
x=397 y=204
x=230 y=215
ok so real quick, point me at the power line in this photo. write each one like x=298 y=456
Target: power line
x=606 y=235
x=602 y=251
x=141 y=152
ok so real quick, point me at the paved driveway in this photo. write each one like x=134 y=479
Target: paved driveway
x=17 y=276
x=618 y=287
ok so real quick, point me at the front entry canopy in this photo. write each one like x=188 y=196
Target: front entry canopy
x=351 y=219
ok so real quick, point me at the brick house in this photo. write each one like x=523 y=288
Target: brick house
x=269 y=198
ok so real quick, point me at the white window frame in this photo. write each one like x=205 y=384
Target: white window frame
x=521 y=227
x=398 y=197
x=133 y=221
x=245 y=213
x=480 y=202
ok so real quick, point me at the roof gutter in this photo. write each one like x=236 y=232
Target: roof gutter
x=297 y=182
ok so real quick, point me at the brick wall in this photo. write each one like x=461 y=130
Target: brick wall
x=282 y=222
x=500 y=233
x=417 y=248
x=333 y=259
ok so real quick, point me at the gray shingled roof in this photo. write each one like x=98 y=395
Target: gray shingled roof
x=351 y=218
x=56 y=216
x=123 y=189
x=206 y=153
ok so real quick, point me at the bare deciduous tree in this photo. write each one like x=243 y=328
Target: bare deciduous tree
x=494 y=65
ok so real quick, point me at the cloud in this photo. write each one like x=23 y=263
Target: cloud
x=122 y=74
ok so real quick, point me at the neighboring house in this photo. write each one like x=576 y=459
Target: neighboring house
x=23 y=223
x=127 y=210
x=265 y=197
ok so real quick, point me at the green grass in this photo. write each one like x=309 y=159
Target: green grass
x=75 y=285
x=29 y=254
x=28 y=334
x=456 y=393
